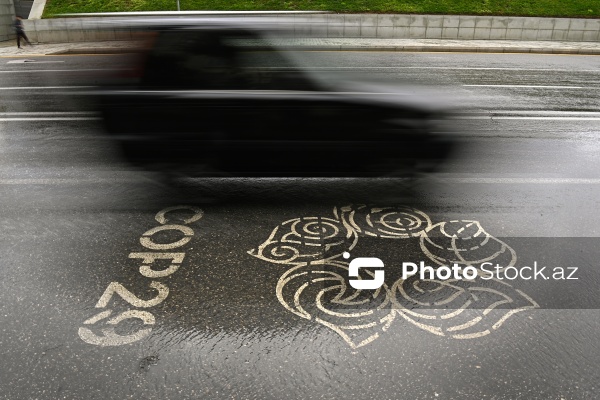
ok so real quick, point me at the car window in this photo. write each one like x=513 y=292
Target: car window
x=219 y=60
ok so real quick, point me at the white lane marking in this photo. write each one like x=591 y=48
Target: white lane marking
x=21 y=71
x=65 y=181
x=542 y=181
x=49 y=116
x=448 y=68
x=532 y=112
x=519 y=114
x=341 y=68
x=44 y=87
x=63 y=113
x=532 y=86
x=32 y=61
x=496 y=117
x=51 y=119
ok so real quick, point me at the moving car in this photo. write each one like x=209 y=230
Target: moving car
x=217 y=96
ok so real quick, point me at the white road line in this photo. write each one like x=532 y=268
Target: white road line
x=529 y=115
x=537 y=181
x=341 y=68
x=534 y=112
x=40 y=113
x=532 y=86
x=32 y=62
x=66 y=181
x=91 y=116
x=49 y=116
x=51 y=119
x=449 y=68
x=497 y=117
x=543 y=181
x=44 y=87
x=36 y=71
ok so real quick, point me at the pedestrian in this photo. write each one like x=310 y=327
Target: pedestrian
x=20 y=32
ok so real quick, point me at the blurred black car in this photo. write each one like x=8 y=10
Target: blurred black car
x=218 y=97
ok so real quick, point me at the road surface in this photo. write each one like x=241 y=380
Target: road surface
x=116 y=285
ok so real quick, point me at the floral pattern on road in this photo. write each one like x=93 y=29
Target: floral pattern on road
x=314 y=286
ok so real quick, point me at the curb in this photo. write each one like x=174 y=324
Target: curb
x=93 y=50
x=436 y=49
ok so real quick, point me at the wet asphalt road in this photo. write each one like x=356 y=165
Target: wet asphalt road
x=233 y=319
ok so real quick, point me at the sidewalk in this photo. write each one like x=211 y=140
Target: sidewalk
x=9 y=48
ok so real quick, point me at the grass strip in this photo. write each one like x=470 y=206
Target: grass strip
x=540 y=8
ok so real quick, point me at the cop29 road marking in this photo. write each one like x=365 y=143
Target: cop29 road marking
x=109 y=335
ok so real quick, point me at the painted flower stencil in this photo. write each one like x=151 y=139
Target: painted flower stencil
x=314 y=285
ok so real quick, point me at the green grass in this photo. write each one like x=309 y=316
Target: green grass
x=547 y=8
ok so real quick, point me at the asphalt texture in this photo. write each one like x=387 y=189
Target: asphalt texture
x=235 y=319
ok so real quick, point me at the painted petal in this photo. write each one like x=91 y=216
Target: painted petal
x=319 y=293
x=466 y=243
x=397 y=222
x=302 y=240
x=461 y=309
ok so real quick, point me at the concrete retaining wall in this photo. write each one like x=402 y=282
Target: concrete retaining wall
x=463 y=27
x=7 y=14
x=386 y=26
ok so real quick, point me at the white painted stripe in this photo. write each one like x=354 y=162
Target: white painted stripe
x=543 y=181
x=40 y=113
x=32 y=62
x=532 y=86
x=532 y=112
x=497 y=117
x=44 y=87
x=444 y=68
x=529 y=115
x=65 y=181
x=79 y=181
x=50 y=119
x=37 y=71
